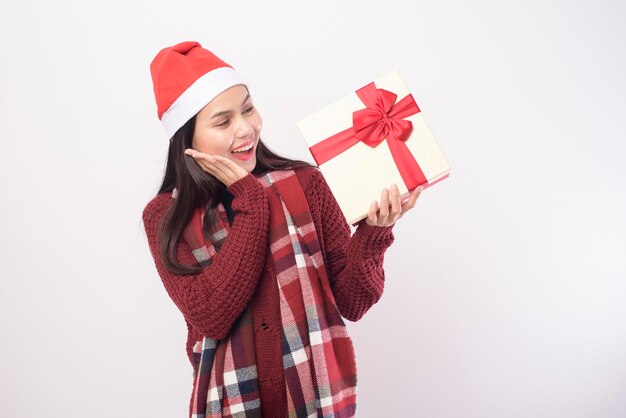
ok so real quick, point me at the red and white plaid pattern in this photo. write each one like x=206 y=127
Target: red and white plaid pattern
x=318 y=356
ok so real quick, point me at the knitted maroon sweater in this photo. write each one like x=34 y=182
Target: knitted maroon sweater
x=242 y=272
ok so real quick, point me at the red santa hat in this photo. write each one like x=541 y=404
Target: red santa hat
x=186 y=77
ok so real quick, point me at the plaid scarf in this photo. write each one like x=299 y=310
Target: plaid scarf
x=318 y=355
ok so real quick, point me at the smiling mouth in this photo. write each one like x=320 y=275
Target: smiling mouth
x=244 y=149
x=245 y=152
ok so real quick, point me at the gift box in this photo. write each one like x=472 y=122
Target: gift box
x=370 y=139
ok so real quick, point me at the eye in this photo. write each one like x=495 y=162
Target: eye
x=249 y=110
x=224 y=123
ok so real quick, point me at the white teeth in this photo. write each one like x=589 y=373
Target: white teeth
x=243 y=149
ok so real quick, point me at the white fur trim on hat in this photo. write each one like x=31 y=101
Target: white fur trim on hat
x=198 y=95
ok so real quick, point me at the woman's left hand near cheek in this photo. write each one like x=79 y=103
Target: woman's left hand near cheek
x=219 y=166
x=391 y=209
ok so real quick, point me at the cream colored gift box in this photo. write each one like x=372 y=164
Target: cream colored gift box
x=358 y=174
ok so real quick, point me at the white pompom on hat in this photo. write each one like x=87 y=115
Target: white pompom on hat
x=186 y=77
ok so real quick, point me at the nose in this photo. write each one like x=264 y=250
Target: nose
x=244 y=128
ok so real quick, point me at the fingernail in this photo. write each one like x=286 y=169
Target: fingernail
x=419 y=189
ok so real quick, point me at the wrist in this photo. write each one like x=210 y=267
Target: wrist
x=382 y=235
x=239 y=187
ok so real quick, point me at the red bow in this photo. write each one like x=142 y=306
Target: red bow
x=381 y=119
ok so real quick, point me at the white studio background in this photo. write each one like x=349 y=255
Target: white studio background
x=505 y=287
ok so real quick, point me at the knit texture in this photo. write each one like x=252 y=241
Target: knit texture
x=212 y=300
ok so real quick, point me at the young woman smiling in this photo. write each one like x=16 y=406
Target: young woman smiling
x=255 y=252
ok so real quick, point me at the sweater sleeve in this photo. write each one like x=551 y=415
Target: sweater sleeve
x=212 y=300
x=354 y=262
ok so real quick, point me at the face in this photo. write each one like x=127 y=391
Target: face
x=228 y=124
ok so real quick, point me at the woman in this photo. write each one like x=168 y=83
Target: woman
x=254 y=250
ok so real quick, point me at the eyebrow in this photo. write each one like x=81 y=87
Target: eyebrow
x=224 y=112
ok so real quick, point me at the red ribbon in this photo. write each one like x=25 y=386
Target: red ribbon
x=382 y=118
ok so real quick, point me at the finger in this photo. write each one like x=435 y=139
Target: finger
x=230 y=168
x=371 y=214
x=207 y=163
x=221 y=170
x=210 y=168
x=396 y=207
x=195 y=153
x=226 y=175
x=384 y=206
x=235 y=168
x=411 y=202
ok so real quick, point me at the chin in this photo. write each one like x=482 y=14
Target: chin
x=248 y=165
x=251 y=168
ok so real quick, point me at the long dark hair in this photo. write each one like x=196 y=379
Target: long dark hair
x=196 y=187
